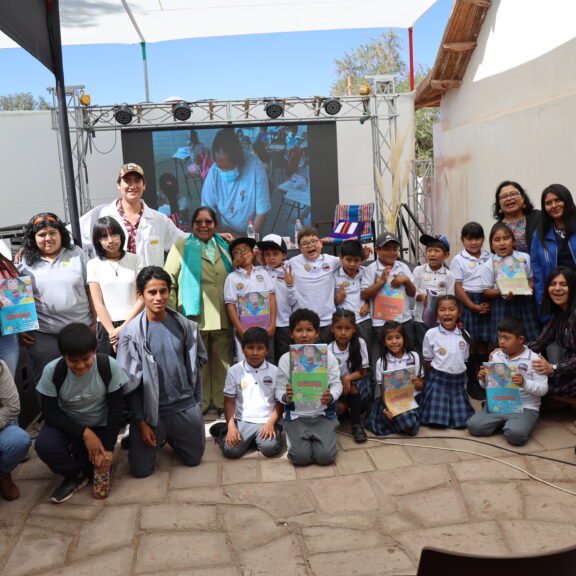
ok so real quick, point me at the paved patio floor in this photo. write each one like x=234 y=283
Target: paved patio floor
x=370 y=513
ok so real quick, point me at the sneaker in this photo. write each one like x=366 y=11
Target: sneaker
x=125 y=442
x=218 y=429
x=221 y=415
x=358 y=433
x=68 y=488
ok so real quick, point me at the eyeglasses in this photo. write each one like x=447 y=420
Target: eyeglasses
x=508 y=196
x=203 y=222
x=110 y=237
x=307 y=243
x=240 y=251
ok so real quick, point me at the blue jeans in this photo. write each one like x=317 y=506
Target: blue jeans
x=10 y=351
x=14 y=444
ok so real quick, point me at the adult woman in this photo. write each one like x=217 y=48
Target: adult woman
x=58 y=272
x=236 y=185
x=198 y=267
x=513 y=207
x=9 y=346
x=554 y=243
x=112 y=282
x=559 y=300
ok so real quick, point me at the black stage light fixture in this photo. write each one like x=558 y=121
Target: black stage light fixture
x=332 y=106
x=181 y=111
x=273 y=109
x=123 y=114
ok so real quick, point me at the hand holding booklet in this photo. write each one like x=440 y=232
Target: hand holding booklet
x=18 y=311
x=308 y=371
x=502 y=395
x=510 y=273
x=399 y=390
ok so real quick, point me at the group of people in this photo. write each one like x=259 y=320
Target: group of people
x=125 y=333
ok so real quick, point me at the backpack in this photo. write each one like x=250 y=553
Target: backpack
x=102 y=363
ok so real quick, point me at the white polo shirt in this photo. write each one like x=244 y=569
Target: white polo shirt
x=466 y=269
x=286 y=298
x=342 y=356
x=440 y=281
x=241 y=282
x=314 y=281
x=352 y=287
x=488 y=275
x=447 y=350
x=535 y=385
x=254 y=390
x=373 y=273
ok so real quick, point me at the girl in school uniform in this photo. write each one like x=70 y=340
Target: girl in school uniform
x=475 y=309
x=508 y=305
x=444 y=402
x=352 y=354
x=396 y=355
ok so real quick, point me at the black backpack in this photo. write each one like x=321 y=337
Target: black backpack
x=102 y=363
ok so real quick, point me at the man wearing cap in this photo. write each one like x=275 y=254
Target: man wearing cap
x=148 y=232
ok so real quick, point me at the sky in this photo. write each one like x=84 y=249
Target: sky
x=224 y=68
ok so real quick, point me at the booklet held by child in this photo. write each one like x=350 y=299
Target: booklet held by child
x=510 y=273
x=399 y=390
x=18 y=311
x=389 y=303
x=309 y=371
x=254 y=309
x=502 y=395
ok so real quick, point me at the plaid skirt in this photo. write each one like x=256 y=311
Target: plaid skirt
x=478 y=326
x=521 y=307
x=377 y=423
x=364 y=386
x=444 y=401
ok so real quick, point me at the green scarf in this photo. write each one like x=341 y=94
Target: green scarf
x=191 y=275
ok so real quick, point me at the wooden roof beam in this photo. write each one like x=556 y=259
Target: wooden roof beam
x=445 y=84
x=459 y=46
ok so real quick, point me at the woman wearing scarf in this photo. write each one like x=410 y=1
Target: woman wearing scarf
x=198 y=267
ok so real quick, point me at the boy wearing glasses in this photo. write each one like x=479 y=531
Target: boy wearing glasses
x=314 y=278
x=248 y=291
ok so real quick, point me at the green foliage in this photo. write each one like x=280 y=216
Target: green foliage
x=22 y=101
x=381 y=55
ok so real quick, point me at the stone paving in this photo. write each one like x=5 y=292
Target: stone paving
x=370 y=513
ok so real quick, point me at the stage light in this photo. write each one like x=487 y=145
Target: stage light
x=123 y=114
x=85 y=99
x=364 y=89
x=332 y=106
x=181 y=111
x=273 y=109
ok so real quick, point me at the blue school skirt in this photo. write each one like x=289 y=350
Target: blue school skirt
x=478 y=326
x=444 y=401
x=377 y=423
x=521 y=307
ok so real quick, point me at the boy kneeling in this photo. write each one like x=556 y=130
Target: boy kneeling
x=250 y=408
x=82 y=405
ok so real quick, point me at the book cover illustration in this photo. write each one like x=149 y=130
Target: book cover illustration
x=309 y=371
x=510 y=273
x=398 y=390
x=18 y=312
x=389 y=303
x=254 y=309
x=429 y=316
x=502 y=395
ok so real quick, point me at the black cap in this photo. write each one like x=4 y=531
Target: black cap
x=385 y=238
x=242 y=240
x=426 y=239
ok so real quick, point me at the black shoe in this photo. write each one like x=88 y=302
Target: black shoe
x=68 y=488
x=221 y=415
x=358 y=433
x=218 y=429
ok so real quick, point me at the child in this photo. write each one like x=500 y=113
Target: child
x=246 y=279
x=387 y=272
x=432 y=276
x=81 y=399
x=348 y=286
x=475 y=309
x=396 y=355
x=314 y=278
x=444 y=401
x=512 y=348
x=274 y=250
x=508 y=305
x=14 y=442
x=251 y=410
x=310 y=426
x=350 y=351
x=163 y=353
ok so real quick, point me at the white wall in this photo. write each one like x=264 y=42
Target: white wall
x=513 y=116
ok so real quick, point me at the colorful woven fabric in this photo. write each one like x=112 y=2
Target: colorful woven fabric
x=347 y=214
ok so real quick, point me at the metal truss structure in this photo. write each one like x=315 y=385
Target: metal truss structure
x=379 y=108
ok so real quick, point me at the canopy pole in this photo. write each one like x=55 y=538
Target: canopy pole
x=411 y=46
x=145 y=62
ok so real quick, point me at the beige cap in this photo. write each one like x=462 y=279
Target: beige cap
x=127 y=168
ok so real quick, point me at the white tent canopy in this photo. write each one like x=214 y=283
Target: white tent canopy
x=117 y=21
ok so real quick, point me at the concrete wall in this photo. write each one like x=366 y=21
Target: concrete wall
x=512 y=118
